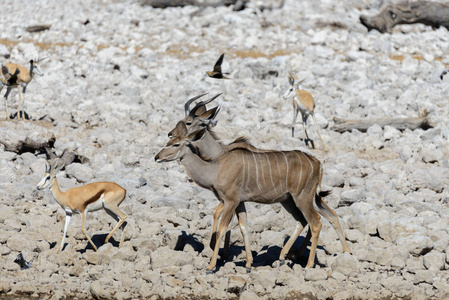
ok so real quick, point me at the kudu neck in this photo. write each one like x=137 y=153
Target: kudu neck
x=209 y=146
x=199 y=170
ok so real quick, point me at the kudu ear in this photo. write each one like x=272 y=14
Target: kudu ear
x=201 y=106
x=180 y=129
x=197 y=135
x=210 y=114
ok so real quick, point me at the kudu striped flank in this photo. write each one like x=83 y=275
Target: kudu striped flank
x=242 y=175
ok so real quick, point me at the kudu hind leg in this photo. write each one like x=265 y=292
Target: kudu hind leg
x=332 y=217
x=313 y=218
x=242 y=218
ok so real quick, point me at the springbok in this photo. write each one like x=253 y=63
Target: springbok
x=23 y=78
x=304 y=103
x=242 y=175
x=210 y=146
x=86 y=198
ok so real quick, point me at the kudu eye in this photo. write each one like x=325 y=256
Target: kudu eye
x=176 y=145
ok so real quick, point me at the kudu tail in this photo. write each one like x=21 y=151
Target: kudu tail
x=319 y=195
x=319 y=198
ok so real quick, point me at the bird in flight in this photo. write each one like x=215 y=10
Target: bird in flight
x=216 y=73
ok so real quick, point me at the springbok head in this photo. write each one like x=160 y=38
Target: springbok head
x=177 y=147
x=50 y=172
x=292 y=86
x=199 y=116
x=35 y=66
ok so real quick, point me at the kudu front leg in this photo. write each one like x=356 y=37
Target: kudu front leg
x=228 y=212
x=301 y=222
x=217 y=214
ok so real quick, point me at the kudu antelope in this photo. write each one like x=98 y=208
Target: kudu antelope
x=23 y=78
x=86 y=198
x=211 y=147
x=304 y=103
x=242 y=175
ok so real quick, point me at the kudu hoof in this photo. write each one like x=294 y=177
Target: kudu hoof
x=210 y=272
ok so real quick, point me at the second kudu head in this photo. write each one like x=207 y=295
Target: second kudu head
x=198 y=116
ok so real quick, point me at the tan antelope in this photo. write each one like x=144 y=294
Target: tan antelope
x=86 y=198
x=23 y=78
x=242 y=175
x=210 y=146
x=304 y=103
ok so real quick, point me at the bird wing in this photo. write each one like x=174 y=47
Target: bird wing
x=217 y=66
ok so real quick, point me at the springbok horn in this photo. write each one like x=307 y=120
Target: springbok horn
x=41 y=59
x=187 y=105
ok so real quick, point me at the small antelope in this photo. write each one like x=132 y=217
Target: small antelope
x=23 y=78
x=242 y=175
x=211 y=147
x=86 y=198
x=304 y=103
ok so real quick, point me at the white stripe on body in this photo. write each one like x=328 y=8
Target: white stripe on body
x=271 y=174
x=257 y=171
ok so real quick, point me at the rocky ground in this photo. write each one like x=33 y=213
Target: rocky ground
x=115 y=81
